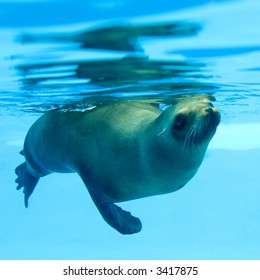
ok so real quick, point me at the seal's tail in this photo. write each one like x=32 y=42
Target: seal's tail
x=26 y=181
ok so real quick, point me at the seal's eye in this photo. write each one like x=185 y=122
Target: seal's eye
x=179 y=122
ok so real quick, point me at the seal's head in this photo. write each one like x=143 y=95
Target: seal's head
x=191 y=122
x=195 y=120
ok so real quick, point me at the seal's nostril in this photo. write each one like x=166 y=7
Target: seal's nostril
x=209 y=110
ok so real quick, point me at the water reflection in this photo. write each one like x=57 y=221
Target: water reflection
x=119 y=37
x=109 y=72
x=132 y=74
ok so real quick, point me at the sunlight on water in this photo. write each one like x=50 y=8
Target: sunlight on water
x=237 y=137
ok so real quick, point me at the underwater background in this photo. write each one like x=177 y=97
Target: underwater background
x=77 y=54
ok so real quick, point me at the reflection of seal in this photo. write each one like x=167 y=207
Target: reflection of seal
x=122 y=151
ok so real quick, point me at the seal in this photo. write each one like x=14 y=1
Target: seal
x=122 y=150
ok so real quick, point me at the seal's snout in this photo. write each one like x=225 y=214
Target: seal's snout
x=214 y=115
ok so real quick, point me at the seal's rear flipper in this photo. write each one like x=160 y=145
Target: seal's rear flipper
x=119 y=219
x=26 y=180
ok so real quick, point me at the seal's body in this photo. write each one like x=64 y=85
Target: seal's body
x=122 y=151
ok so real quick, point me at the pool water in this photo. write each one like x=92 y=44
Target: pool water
x=132 y=50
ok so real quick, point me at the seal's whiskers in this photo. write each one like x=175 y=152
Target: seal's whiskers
x=190 y=139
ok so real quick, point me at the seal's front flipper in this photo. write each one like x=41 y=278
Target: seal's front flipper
x=119 y=219
x=26 y=181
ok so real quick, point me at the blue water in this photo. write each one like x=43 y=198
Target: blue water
x=138 y=48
